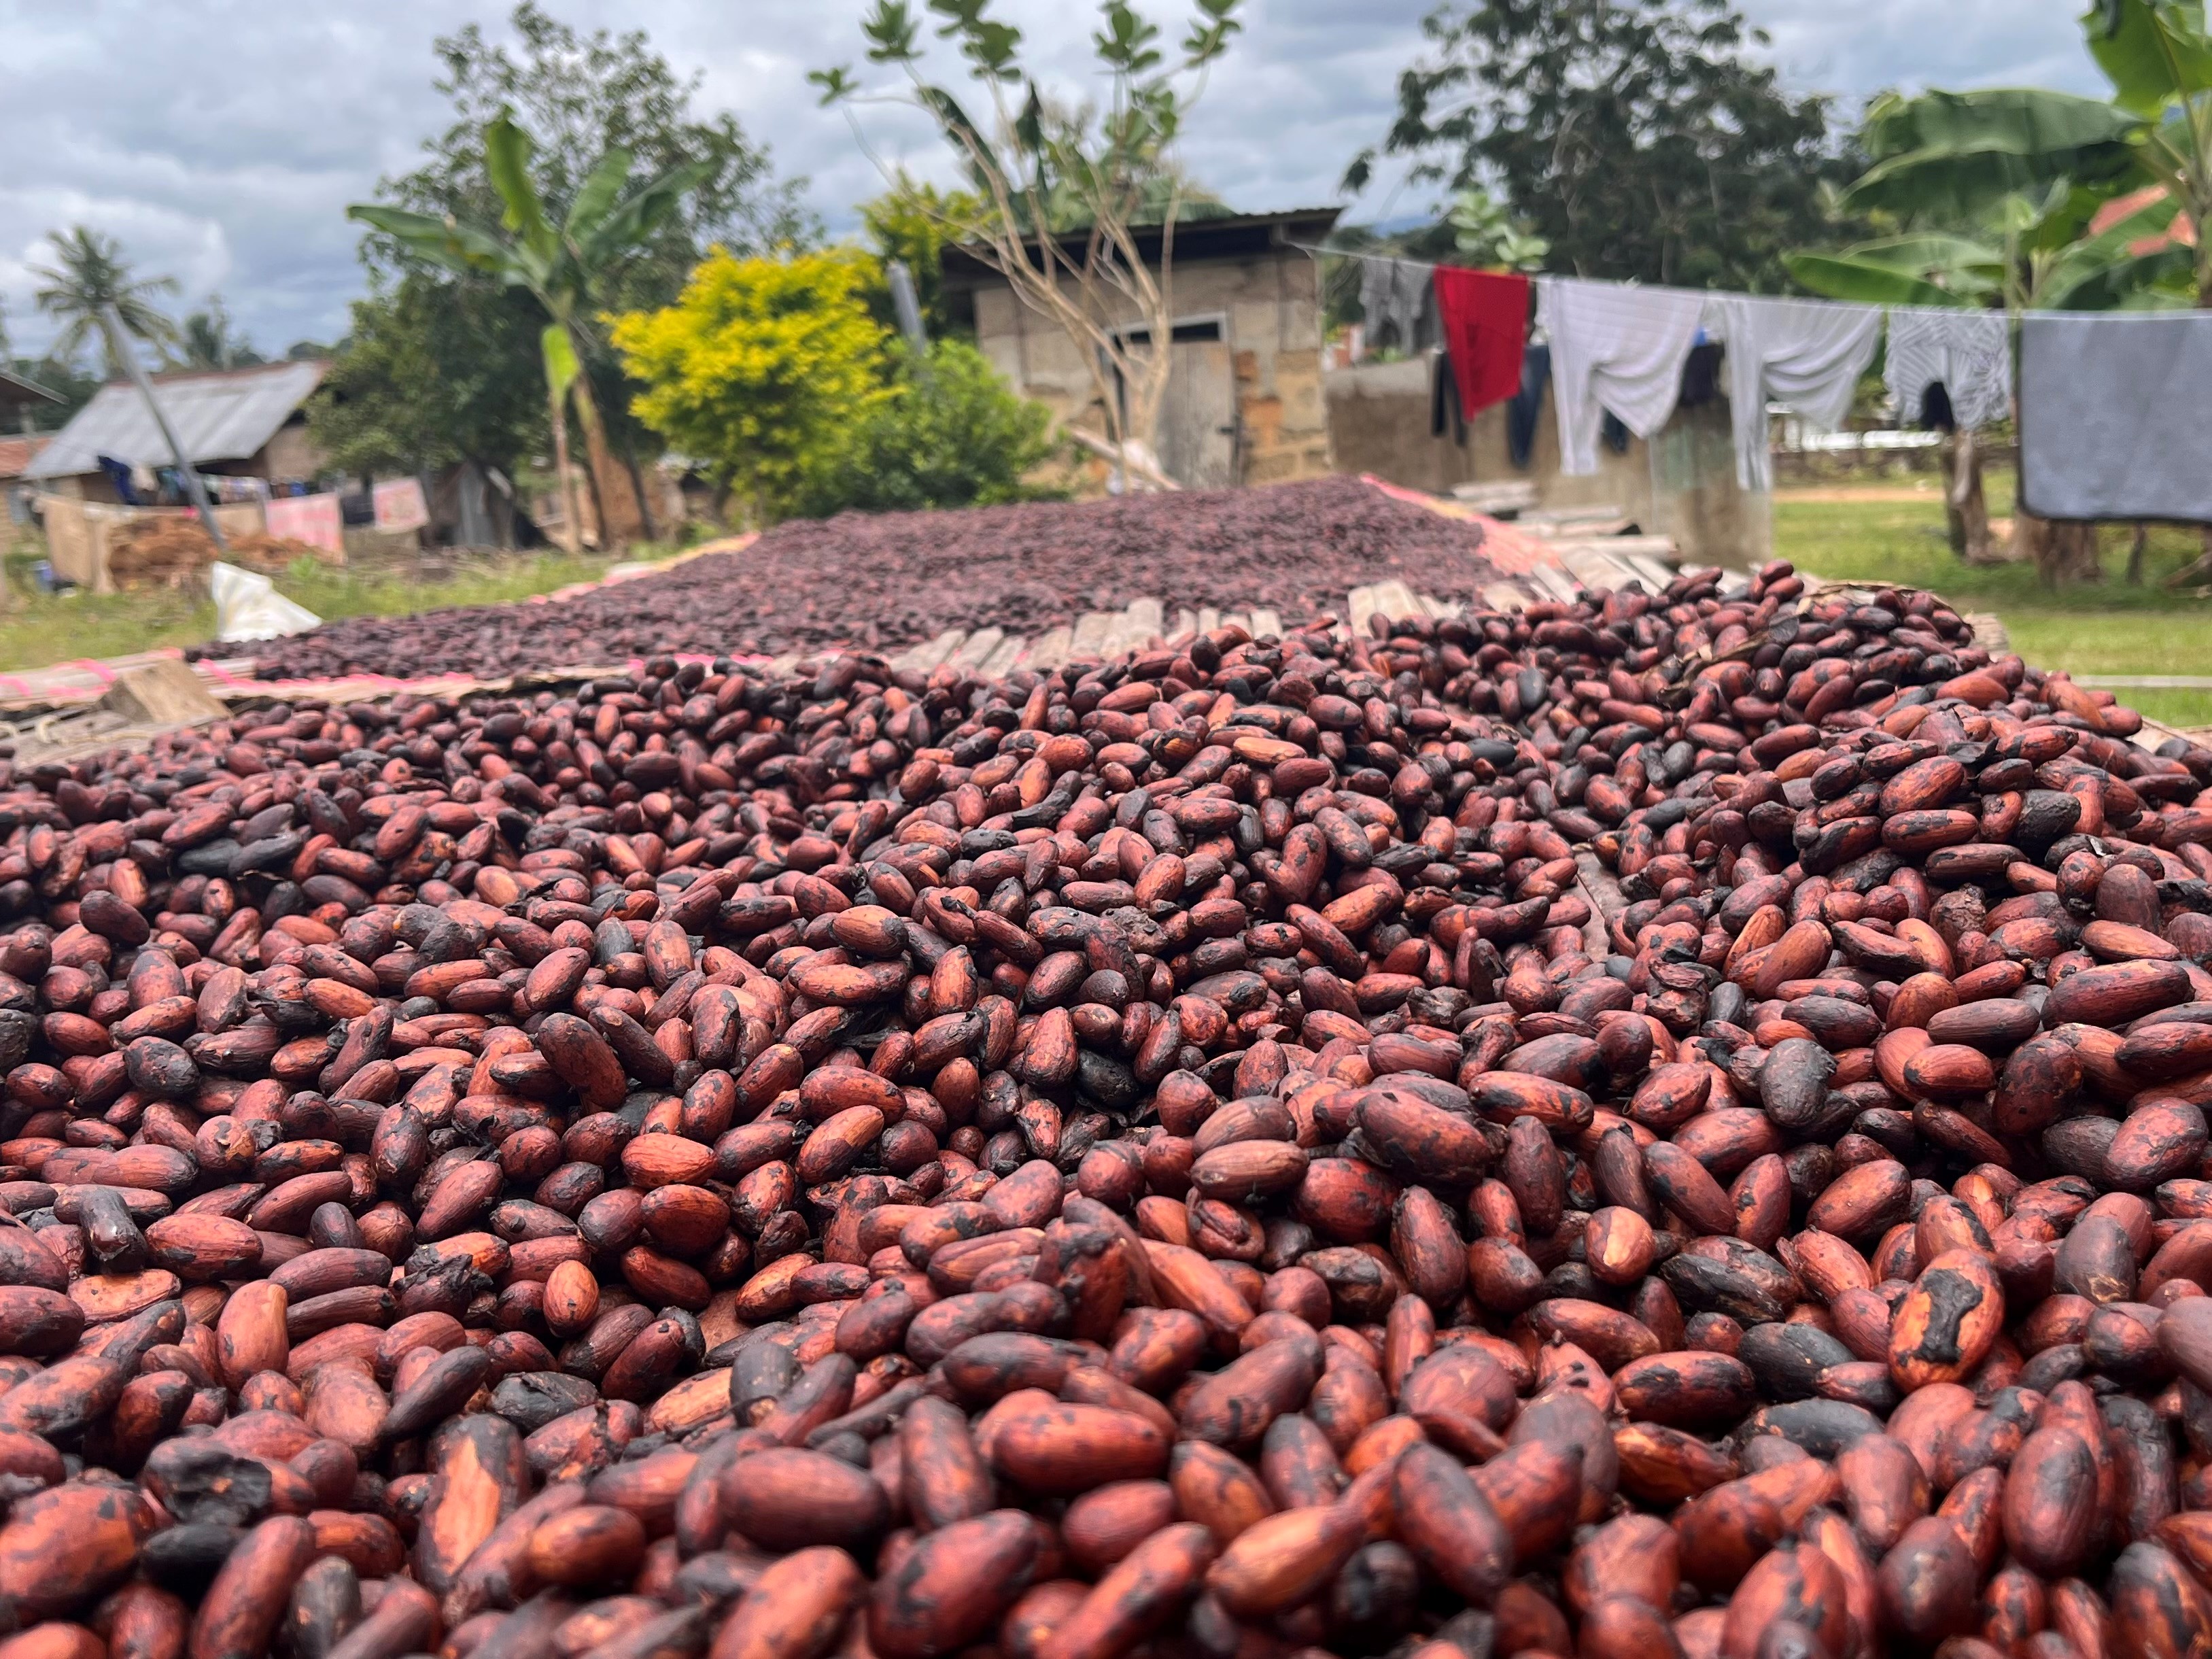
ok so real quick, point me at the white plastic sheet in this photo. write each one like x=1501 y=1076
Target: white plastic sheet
x=248 y=607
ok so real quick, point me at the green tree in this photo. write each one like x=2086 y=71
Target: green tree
x=1105 y=170
x=950 y=434
x=580 y=96
x=1635 y=137
x=915 y=220
x=565 y=268
x=761 y=368
x=431 y=373
x=209 y=340
x=89 y=274
x=1486 y=234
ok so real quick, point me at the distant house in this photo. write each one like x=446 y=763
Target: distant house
x=1243 y=401
x=242 y=423
x=16 y=455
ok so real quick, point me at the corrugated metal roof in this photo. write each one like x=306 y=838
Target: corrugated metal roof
x=17 y=453
x=224 y=415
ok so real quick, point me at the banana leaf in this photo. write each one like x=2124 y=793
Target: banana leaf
x=2155 y=52
x=1955 y=155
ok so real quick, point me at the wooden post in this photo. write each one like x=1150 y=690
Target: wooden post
x=121 y=344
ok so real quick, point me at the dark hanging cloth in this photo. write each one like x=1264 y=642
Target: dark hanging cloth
x=1525 y=406
x=1701 y=375
x=1615 y=433
x=118 y=475
x=1484 y=317
x=1936 y=414
x=1445 y=413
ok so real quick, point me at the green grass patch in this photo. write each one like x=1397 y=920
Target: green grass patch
x=38 y=628
x=2110 y=627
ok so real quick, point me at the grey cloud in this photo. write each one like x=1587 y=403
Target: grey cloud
x=221 y=140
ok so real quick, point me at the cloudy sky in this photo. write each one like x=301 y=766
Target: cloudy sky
x=220 y=141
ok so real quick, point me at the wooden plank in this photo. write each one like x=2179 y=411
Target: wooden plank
x=1657 y=547
x=161 y=693
x=1266 y=621
x=1361 y=604
x=1655 y=575
x=1121 y=635
x=1090 y=640
x=1238 y=619
x=1394 y=599
x=1553 y=582
x=1002 y=660
x=978 y=649
x=1505 y=596
x=1591 y=568
x=1149 y=616
x=1551 y=522
x=1050 y=649
x=923 y=657
x=1209 y=618
x=1501 y=500
x=1185 y=622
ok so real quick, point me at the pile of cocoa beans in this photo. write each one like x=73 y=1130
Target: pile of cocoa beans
x=881 y=581
x=1662 y=1127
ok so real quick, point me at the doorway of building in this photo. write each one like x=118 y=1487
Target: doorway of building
x=1198 y=413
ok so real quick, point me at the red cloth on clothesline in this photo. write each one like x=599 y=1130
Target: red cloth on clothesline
x=1484 y=316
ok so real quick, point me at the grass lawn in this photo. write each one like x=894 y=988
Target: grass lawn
x=38 y=628
x=1877 y=533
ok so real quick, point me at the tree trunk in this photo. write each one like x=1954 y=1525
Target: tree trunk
x=2197 y=569
x=571 y=509
x=1966 y=508
x=2137 y=549
x=637 y=488
x=611 y=498
x=2064 y=549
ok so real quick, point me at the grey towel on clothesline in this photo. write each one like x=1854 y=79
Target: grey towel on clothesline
x=1392 y=293
x=1970 y=352
x=2116 y=415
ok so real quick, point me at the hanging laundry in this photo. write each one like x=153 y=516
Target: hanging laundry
x=1617 y=347
x=1967 y=353
x=1484 y=317
x=399 y=504
x=1701 y=374
x=1445 y=415
x=1523 y=409
x=119 y=479
x=2113 y=410
x=1806 y=354
x=1393 y=293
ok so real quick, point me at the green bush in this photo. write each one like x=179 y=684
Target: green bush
x=951 y=433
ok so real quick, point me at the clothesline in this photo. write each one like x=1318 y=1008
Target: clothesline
x=2177 y=313
x=2113 y=421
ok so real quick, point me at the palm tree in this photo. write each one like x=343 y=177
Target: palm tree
x=563 y=266
x=89 y=274
x=211 y=342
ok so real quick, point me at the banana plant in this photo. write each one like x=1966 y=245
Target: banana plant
x=2032 y=166
x=565 y=266
x=2158 y=56
x=2036 y=251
